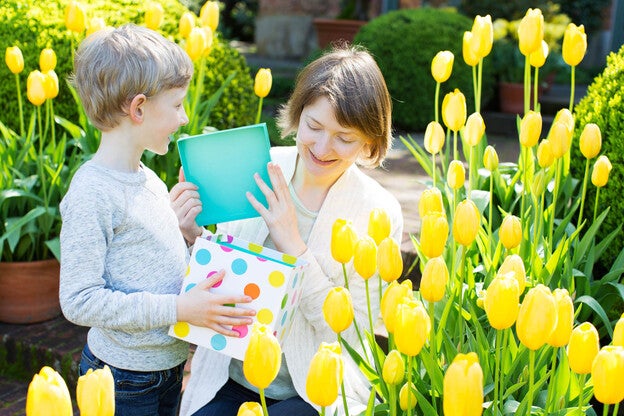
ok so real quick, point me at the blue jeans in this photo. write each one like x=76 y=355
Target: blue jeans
x=232 y=395
x=141 y=393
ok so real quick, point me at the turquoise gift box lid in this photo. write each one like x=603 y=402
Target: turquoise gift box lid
x=222 y=164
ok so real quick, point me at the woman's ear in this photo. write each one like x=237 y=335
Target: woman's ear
x=136 y=109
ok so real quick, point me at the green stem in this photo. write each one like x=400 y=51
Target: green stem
x=596 y=203
x=409 y=381
x=527 y=84
x=475 y=87
x=550 y=400
x=455 y=145
x=265 y=411
x=436 y=101
x=585 y=178
x=616 y=408
x=581 y=400
x=52 y=131
x=554 y=203
x=572 y=76
x=344 y=398
x=531 y=380
x=525 y=186
x=605 y=410
x=472 y=149
x=479 y=86
x=433 y=165
x=259 y=113
x=461 y=297
x=535 y=88
x=432 y=348
x=392 y=400
x=497 y=372
x=20 y=105
x=322 y=412
x=368 y=307
x=344 y=274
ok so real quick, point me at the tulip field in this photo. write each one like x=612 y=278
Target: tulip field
x=509 y=316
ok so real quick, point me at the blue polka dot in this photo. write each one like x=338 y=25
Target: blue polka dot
x=189 y=287
x=218 y=342
x=203 y=256
x=284 y=317
x=294 y=283
x=239 y=266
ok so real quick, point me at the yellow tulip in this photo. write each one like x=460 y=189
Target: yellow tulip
x=14 y=59
x=618 y=332
x=537 y=58
x=456 y=174
x=187 y=23
x=490 y=158
x=537 y=317
x=365 y=257
x=510 y=232
x=389 y=260
x=407 y=398
x=379 y=225
x=95 y=393
x=430 y=201
x=412 y=327
x=338 y=309
x=435 y=275
x=538 y=186
x=393 y=371
x=392 y=297
x=530 y=128
x=513 y=264
x=75 y=17
x=325 y=375
x=454 y=110
x=502 y=301
x=196 y=43
x=470 y=56
x=560 y=137
x=545 y=157
x=564 y=115
x=463 y=386
x=574 y=44
x=343 y=241
x=250 y=409
x=600 y=173
x=50 y=84
x=263 y=357
x=474 y=130
x=466 y=222
x=35 y=88
x=483 y=30
x=500 y=28
x=209 y=40
x=590 y=141
x=434 y=137
x=442 y=66
x=154 y=15
x=565 y=318
x=583 y=347
x=531 y=31
x=606 y=374
x=48 y=395
x=434 y=231
x=263 y=81
x=95 y=24
x=209 y=15
x=47 y=60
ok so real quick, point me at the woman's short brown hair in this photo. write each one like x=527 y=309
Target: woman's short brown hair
x=350 y=79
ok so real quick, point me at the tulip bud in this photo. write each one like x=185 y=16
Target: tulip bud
x=325 y=375
x=531 y=31
x=343 y=241
x=389 y=260
x=95 y=393
x=393 y=371
x=583 y=347
x=187 y=23
x=407 y=398
x=564 y=115
x=606 y=374
x=48 y=394
x=154 y=16
x=209 y=15
x=365 y=257
x=539 y=183
x=435 y=275
x=470 y=56
x=35 y=88
x=196 y=43
x=47 y=60
x=434 y=137
x=574 y=44
x=474 y=130
x=434 y=231
x=600 y=173
x=430 y=201
x=14 y=59
x=209 y=40
x=618 y=332
x=510 y=232
x=530 y=128
x=537 y=58
x=537 y=317
x=463 y=386
x=250 y=409
x=502 y=301
x=466 y=222
x=338 y=309
x=75 y=17
x=50 y=84
x=513 y=263
x=442 y=66
x=565 y=318
x=456 y=174
x=560 y=137
x=262 y=83
x=379 y=225
x=412 y=327
x=95 y=24
x=590 y=141
x=490 y=158
x=454 y=110
x=263 y=357
x=483 y=31
x=392 y=297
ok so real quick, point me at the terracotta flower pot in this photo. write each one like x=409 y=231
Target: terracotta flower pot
x=29 y=291
x=511 y=97
x=331 y=30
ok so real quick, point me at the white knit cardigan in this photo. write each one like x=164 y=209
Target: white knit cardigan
x=352 y=197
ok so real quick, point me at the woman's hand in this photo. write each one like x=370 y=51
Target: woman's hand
x=187 y=206
x=280 y=215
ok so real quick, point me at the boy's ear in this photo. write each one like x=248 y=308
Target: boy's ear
x=135 y=109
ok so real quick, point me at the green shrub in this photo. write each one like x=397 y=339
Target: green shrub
x=404 y=42
x=33 y=25
x=604 y=105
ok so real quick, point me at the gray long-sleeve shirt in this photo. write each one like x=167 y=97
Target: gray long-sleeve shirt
x=123 y=259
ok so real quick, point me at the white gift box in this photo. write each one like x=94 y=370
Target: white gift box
x=272 y=279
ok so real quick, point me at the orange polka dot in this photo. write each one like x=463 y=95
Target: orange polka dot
x=252 y=290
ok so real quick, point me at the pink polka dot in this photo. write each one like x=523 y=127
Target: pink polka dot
x=242 y=330
x=261 y=259
x=211 y=274
x=294 y=298
x=226 y=249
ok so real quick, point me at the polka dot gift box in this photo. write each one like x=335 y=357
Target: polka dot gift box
x=272 y=279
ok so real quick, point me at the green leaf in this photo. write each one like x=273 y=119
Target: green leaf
x=595 y=306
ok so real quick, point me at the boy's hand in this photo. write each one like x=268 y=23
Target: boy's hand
x=201 y=308
x=187 y=206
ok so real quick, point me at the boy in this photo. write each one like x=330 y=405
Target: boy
x=123 y=256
